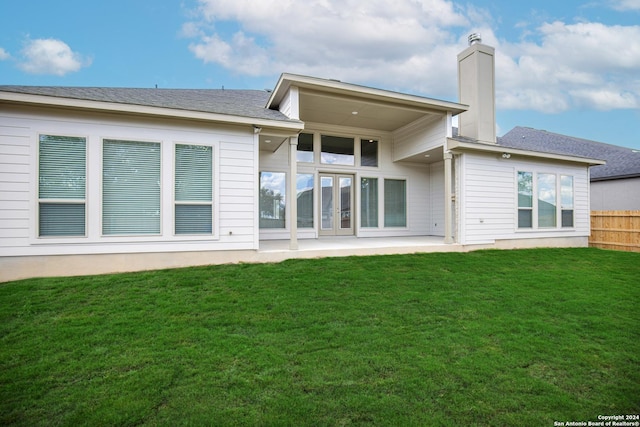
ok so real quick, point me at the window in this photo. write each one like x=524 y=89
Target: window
x=130 y=187
x=554 y=200
x=546 y=200
x=304 y=195
x=566 y=200
x=368 y=152
x=337 y=150
x=193 y=189
x=395 y=203
x=305 y=148
x=369 y=202
x=61 y=186
x=525 y=199
x=272 y=199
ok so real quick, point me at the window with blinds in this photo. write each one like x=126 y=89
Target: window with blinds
x=193 y=189
x=395 y=203
x=130 y=187
x=61 y=186
x=368 y=202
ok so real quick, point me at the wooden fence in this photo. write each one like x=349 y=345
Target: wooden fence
x=619 y=230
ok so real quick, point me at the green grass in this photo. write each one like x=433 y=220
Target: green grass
x=496 y=338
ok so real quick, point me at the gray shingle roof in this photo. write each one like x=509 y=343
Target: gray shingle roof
x=622 y=162
x=245 y=103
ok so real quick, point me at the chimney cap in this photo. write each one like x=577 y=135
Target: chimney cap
x=474 y=38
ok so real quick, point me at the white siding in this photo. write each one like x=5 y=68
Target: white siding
x=418 y=137
x=290 y=104
x=14 y=184
x=488 y=197
x=235 y=166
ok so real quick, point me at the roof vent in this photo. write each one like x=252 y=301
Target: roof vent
x=474 y=38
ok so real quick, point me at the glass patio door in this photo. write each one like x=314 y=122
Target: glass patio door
x=336 y=201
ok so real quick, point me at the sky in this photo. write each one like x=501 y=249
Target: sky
x=565 y=66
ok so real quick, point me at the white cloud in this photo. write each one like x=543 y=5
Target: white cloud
x=378 y=41
x=411 y=45
x=585 y=65
x=50 y=56
x=625 y=5
x=4 y=54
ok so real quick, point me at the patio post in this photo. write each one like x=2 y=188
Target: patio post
x=293 y=193
x=448 y=226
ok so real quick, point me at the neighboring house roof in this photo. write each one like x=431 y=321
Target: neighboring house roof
x=622 y=162
x=462 y=143
x=244 y=103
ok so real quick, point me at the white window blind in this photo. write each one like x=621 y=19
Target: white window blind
x=193 y=189
x=61 y=185
x=130 y=187
x=395 y=203
x=369 y=202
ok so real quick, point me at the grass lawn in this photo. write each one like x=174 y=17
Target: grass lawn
x=498 y=338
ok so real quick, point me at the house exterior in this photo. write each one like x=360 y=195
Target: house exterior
x=614 y=186
x=105 y=179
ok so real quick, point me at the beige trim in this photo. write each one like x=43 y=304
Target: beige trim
x=146 y=110
x=23 y=267
x=460 y=146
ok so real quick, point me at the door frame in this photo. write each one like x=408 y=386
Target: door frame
x=341 y=214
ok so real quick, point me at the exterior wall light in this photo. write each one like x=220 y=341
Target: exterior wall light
x=506 y=155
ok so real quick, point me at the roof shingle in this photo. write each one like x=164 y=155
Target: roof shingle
x=622 y=162
x=245 y=103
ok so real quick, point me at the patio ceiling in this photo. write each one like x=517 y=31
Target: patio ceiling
x=357 y=111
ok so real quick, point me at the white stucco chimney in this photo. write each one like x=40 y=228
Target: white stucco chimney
x=476 y=86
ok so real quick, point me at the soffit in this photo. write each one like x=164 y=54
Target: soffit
x=357 y=112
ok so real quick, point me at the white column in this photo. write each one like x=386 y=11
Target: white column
x=448 y=221
x=292 y=196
